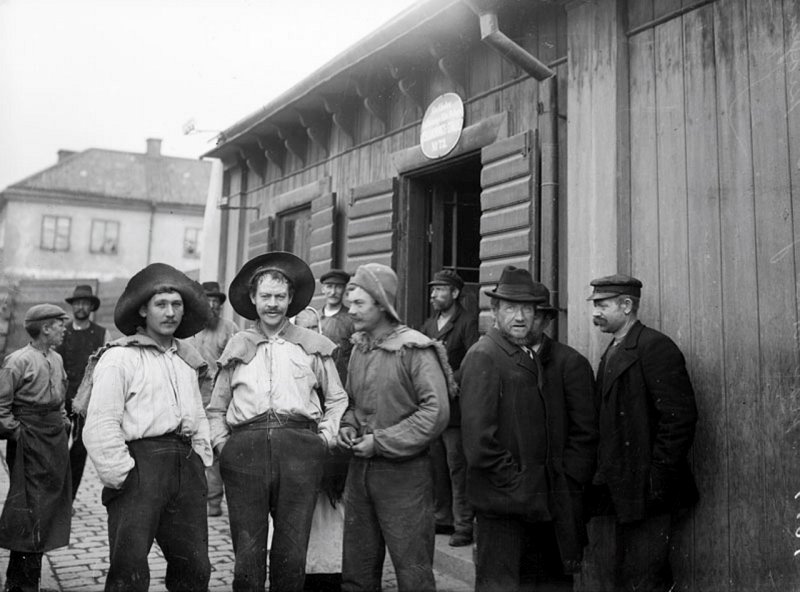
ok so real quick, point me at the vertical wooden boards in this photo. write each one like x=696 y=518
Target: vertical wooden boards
x=704 y=351
x=645 y=260
x=507 y=202
x=739 y=293
x=776 y=277
x=371 y=230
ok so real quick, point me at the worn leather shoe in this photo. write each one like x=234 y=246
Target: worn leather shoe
x=460 y=539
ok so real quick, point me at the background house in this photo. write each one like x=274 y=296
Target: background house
x=665 y=145
x=97 y=217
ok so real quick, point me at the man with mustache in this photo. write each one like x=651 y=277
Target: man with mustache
x=267 y=421
x=457 y=329
x=36 y=514
x=335 y=323
x=82 y=338
x=527 y=446
x=647 y=424
x=147 y=433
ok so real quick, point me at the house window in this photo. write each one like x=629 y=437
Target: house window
x=294 y=232
x=191 y=243
x=55 y=233
x=105 y=237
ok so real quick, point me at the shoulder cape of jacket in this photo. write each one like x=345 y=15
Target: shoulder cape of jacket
x=185 y=351
x=242 y=346
x=403 y=338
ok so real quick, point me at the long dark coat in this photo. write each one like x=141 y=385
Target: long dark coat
x=458 y=335
x=647 y=423
x=529 y=435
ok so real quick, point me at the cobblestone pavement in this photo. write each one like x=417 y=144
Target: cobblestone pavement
x=82 y=566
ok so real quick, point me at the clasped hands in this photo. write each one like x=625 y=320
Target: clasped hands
x=361 y=446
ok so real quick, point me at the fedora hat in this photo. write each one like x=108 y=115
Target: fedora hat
x=290 y=265
x=212 y=290
x=540 y=289
x=516 y=285
x=84 y=292
x=380 y=281
x=150 y=280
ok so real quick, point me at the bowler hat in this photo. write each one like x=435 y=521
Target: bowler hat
x=335 y=276
x=380 y=281
x=152 y=279
x=84 y=292
x=44 y=312
x=212 y=290
x=290 y=265
x=516 y=285
x=611 y=286
x=447 y=277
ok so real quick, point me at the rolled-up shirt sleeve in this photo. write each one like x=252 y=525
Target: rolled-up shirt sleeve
x=335 y=399
x=102 y=434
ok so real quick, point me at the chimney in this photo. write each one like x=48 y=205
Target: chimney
x=153 y=146
x=62 y=154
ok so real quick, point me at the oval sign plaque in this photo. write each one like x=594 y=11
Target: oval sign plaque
x=442 y=125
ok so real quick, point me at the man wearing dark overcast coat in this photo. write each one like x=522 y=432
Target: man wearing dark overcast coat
x=529 y=450
x=647 y=424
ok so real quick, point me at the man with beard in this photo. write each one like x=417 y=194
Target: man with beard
x=457 y=330
x=647 y=423
x=82 y=338
x=147 y=433
x=267 y=421
x=526 y=447
x=36 y=514
x=335 y=322
x=211 y=342
x=398 y=382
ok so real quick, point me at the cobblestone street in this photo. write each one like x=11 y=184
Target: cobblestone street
x=82 y=566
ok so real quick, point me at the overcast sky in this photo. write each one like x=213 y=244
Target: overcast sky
x=77 y=74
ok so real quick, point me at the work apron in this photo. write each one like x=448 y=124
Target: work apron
x=37 y=512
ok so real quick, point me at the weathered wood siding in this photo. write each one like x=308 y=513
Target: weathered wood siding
x=714 y=186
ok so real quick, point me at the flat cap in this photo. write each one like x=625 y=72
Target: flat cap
x=335 y=276
x=611 y=286
x=44 y=312
x=447 y=277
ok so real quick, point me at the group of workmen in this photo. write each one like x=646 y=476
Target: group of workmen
x=340 y=433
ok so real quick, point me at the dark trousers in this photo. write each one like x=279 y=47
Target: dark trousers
x=463 y=513
x=642 y=559
x=517 y=555
x=271 y=471
x=77 y=452
x=163 y=499
x=23 y=572
x=388 y=504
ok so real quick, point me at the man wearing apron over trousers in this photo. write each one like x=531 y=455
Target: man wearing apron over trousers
x=37 y=512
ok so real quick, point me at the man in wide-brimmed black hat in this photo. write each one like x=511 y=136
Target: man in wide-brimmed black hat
x=274 y=415
x=36 y=513
x=147 y=433
x=457 y=329
x=528 y=448
x=82 y=338
x=211 y=342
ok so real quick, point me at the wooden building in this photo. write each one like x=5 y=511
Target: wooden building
x=666 y=144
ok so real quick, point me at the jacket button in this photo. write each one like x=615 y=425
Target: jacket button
x=621 y=413
x=627 y=443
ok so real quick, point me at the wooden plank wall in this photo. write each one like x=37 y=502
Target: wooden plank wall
x=715 y=133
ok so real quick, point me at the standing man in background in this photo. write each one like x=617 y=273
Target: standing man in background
x=82 y=338
x=398 y=383
x=457 y=329
x=211 y=342
x=647 y=423
x=335 y=322
x=37 y=510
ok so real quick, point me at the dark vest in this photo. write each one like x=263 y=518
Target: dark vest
x=76 y=349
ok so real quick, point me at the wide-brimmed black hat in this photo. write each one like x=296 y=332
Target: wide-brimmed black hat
x=290 y=265
x=212 y=290
x=152 y=279
x=84 y=292
x=516 y=285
